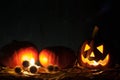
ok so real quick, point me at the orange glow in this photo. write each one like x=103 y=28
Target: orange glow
x=32 y=61
x=89 y=59
x=47 y=58
x=94 y=63
x=43 y=58
x=30 y=54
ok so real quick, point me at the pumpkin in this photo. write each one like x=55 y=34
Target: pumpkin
x=60 y=56
x=33 y=69
x=94 y=56
x=52 y=68
x=16 y=52
x=26 y=54
x=94 y=53
x=25 y=64
x=18 y=70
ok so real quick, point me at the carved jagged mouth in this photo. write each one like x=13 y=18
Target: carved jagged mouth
x=103 y=62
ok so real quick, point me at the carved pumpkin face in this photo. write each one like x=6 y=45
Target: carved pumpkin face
x=94 y=55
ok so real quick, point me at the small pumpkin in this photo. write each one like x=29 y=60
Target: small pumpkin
x=60 y=56
x=14 y=53
x=18 y=70
x=33 y=69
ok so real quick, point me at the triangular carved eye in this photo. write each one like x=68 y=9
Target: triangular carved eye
x=100 y=48
x=87 y=47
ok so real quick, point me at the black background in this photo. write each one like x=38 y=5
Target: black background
x=59 y=22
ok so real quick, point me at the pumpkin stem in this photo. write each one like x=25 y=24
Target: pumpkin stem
x=95 y=30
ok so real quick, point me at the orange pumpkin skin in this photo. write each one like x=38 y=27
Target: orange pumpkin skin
x=13 y=54
x=60 y=56
x=101 y=57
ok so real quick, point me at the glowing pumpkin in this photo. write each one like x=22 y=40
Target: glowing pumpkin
x=94 y=53
x=26 y=54
x=57 y=56
x=15 y=53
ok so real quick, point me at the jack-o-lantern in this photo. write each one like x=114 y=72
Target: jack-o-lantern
x=15 y=53
x=94 y=53
x=94 y=56
x=60 y=56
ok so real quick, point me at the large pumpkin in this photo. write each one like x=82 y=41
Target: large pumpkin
x=94 y=52
x=94 y=55
x=60 y=56
x=14 y=53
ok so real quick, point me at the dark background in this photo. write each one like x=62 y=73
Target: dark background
x=59 y=22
